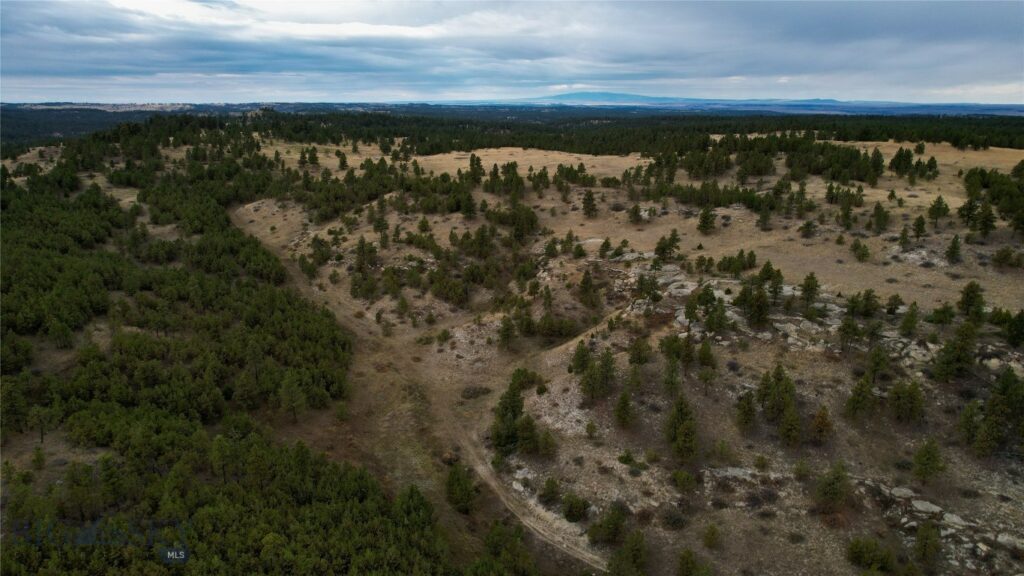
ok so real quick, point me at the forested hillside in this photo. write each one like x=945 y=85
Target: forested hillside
x=442 y=128
x=202 y=333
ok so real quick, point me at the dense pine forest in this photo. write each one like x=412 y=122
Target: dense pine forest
x=203 y=332
x=434 y=129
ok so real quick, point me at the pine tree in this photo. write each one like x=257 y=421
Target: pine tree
x=908 y=326
x=972 y=302
x=919 y=228
x=746 y=413
x=630 y=558
x=506 y=332
x=878 y=362
x=581 y=358
x=588 y=293
x=504 y=429
x=43 y=418
x=634 y=215
x=833 y=489
x=790 y=426
x=928 y=546
x=706 y=357
x=953 y=251
x=849 y=332
x=968 y=211
x=809 y=289
x=928 y=461
x=904 y=239
x=589 y=204
x=860 y=250
x=606 y=369
x=764 y=218
x=907 y=402
x=893 y=304
x=879 y=218
x=550 y=493
x=938 y=209
x=861 y=400
x=681 y=430
x=706 y=224
x=459 y=488
x=292 y=398
x=877 y=162
x=624 y=410
x=821 y=427
x=775 y=285
x=639 y=351
x=956 y=357
x=986 y=219
x=670 y=380
x=758 y=307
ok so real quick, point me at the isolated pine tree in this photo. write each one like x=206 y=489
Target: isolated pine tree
x=938 y=209
x=809 y=289
x=821 y=427
x=919 y=228
x=953 y=251
x=706 y=224
x=928 y=461
x=624 y=410
x=589 y=204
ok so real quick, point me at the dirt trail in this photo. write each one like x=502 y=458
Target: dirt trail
x=387 y=370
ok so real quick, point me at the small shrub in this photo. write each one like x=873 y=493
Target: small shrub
x=833 y=489
x=673 y=518
x=712 y=537
x=690 y=565
x=609 y=527
x=574 y=508
x=870 y=554
x=683 y=481
x=928 y=546
x=550 y=493
x=459 y=488
x=761 y=462
x=802 y=471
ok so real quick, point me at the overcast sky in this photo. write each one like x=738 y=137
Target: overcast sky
x=245 y=51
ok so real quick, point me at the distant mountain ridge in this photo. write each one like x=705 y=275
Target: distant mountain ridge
x=603 y=100
x=774 y=105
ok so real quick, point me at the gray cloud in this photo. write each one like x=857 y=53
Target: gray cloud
x=250 y=50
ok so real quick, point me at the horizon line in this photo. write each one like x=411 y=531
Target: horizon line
x=522 y=100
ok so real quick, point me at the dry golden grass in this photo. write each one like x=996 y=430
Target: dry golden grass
x=600 y=166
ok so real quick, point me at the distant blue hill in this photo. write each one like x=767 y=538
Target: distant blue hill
x=809 y=106
x=582 y=101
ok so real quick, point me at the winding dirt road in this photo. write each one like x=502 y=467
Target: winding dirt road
x=391 y=368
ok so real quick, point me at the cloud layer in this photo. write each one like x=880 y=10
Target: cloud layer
x=245 y=51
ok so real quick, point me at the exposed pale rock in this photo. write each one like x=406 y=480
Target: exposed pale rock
x=953 y=520
x=901 y=492
x=925 y=507
x=1010 y=541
